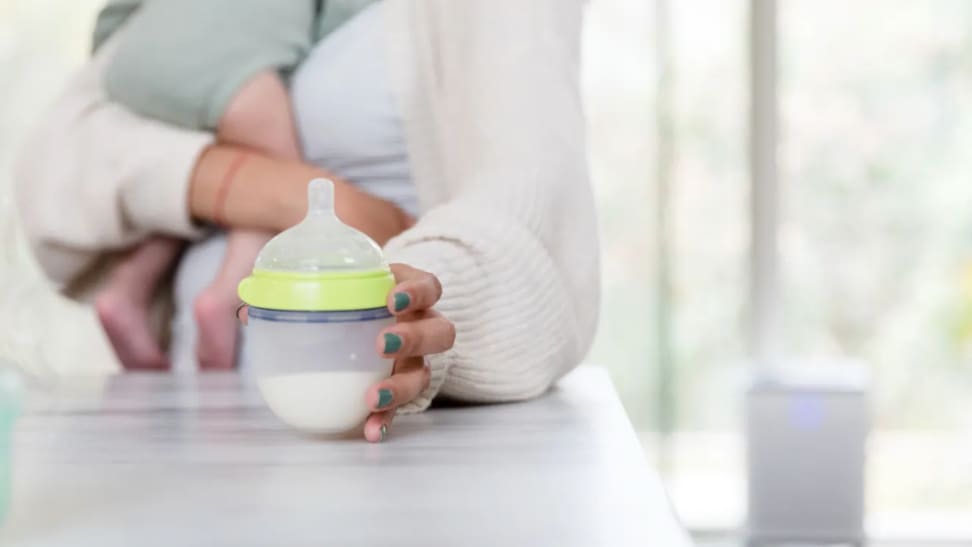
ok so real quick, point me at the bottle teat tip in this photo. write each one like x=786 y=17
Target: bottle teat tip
x=320 y=196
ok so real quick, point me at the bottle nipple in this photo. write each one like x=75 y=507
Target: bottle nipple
x=320 y=242
x=320 y=198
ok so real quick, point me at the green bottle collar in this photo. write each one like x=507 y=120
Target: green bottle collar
x=330 y=291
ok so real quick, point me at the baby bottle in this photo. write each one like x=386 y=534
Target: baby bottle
x=316 y=306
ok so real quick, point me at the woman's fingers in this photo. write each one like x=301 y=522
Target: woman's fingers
x=411 y=376
x=416 y=290
x=420 y=330
x=378 y=424
x=424 y=334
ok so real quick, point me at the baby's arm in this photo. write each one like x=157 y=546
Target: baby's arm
x=260 y=116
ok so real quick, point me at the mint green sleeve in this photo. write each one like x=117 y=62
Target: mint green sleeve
x=182 y=61
x=110 y=18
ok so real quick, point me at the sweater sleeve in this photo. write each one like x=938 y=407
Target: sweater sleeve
x=93 y=177
x=497 y=125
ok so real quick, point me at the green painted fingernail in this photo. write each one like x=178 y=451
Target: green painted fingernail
x=384 y=398
x=402 y=301
x=393 y=342
x=384 y=431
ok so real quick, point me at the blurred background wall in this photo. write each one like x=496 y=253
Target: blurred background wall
x=875 y=232
x=875 y=235
x=41 y=43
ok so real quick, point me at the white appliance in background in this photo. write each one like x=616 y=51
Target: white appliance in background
x=806 y=434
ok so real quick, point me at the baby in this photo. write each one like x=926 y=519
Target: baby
x=220 y=65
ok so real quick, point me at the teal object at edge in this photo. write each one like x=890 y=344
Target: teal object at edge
x=10 y=401
x=6 y=431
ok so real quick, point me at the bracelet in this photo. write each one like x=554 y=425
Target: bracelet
x=224 y=186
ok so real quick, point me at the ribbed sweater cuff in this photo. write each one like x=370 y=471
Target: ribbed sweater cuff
x=431 y=256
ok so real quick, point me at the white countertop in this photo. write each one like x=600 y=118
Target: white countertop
x=158 y=459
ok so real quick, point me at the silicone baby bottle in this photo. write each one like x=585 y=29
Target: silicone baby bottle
x=316 y=306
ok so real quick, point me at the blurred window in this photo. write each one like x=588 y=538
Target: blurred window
x=875 y=233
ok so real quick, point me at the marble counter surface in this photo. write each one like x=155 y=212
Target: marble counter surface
x=157 y=459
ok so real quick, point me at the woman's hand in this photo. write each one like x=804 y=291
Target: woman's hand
x=420 y=331
x=379 y=218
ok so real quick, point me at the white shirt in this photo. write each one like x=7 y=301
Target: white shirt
x=346 y=113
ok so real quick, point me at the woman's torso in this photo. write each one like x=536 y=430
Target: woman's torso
x=347 y=117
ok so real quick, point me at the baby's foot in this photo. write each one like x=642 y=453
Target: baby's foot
x=217 y=324
x=126 y=322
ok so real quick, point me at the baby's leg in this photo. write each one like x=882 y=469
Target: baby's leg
x=123 y=305
x=259 y=117
x=215 y=307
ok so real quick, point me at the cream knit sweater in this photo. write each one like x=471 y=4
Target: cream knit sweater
x=490 y=96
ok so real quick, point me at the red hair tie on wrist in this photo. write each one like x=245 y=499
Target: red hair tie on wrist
x=224 y=186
